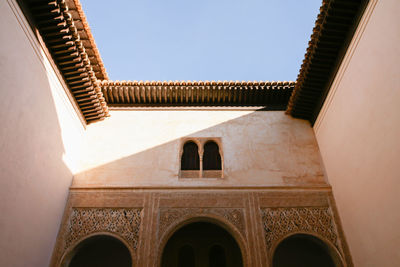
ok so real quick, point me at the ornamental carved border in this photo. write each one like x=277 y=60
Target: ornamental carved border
x=124 y=222
x=170 y=216
x=280 y=222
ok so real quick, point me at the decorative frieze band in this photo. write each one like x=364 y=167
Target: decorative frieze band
x=123 y=222
x=280 y=222
x=170 y=216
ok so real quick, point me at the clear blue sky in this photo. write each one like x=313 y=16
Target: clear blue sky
x=202 y=39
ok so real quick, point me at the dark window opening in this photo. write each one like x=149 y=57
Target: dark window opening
x=217 y=256
x=186 y=257
x=211 y=156
x=190 y=157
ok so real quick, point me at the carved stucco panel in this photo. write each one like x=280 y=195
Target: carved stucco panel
x=124 y=222
x=280 y=222
x=170 y=216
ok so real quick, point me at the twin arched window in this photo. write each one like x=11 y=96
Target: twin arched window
x=206 y=159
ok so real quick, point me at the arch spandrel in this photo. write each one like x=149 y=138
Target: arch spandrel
x=280 y=223
x=123 y=224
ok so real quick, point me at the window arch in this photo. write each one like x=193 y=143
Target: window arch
x=190 y=157
x=211 y=156
x=201 y=157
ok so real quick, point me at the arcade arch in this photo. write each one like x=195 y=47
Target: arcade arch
x=305 y=250
x=100 y=250
x=210 y=244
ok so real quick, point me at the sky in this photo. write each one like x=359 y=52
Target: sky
x=202 y=39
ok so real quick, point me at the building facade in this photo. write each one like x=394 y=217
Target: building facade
x=199 y=173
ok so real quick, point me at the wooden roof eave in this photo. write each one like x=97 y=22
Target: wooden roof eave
x=334 y=28
x=187 y=93
x=59 y=33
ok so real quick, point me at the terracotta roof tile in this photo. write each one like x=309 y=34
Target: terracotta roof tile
x=75 y=7
x=271 y=95
x=331 y=35
x=65 y=30
x=63 y=39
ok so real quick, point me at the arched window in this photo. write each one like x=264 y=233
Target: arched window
x=190 y=157
x=186 y=257
x=216 y=256
x=211 y=156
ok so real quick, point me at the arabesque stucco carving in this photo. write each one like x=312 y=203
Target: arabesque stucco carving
x=280 y=222
x=170 y=216
x=124 y=222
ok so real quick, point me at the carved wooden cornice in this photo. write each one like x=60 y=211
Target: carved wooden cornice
x=271 y=95
x=73 y=51
x=334 y=28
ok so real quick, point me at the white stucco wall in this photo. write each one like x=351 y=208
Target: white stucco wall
x=141 y=148
x=40 y=137
x=358 y=134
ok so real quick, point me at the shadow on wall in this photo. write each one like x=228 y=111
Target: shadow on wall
x=34 y=177
x=262 y=148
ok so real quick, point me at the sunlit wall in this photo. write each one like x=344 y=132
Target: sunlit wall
x=358 y=135
x=40 y=137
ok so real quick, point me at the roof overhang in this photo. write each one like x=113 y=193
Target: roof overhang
x=67 y=35
x=85 y=35
x=333 y=31
x=270 y=95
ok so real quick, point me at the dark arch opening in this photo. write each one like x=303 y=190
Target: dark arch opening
x=202 y=237
x=186 y=257
x=303 y=250
x=101 y=251
x=190 y=157
x=217 y=256
x=211 y=156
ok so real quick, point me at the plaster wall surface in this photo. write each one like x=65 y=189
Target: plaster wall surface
x=141 y=149
x=40 y=137
x=358 y=135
